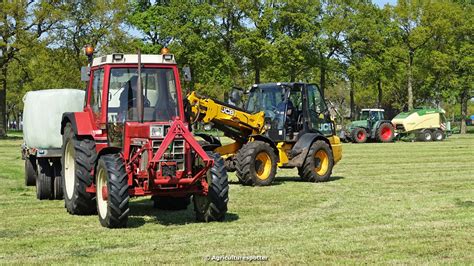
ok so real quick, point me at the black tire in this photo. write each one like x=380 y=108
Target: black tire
x=44 y=184
x=77 y=200
x=385 y=132
x=437 y=135
x=116 y=210
x=425 y=135
x=58 y=180
x=171 y=203
x=213 y=206
x=248 y=167
x=31 y=172
x=230 y=164
x=359 y=135
x=308 y=172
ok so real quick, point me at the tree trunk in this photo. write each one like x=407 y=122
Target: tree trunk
x=464 y=102
x=352 y=103
x=3 y=102
x=257 y=74
x=322 y=80
x=409 y=85
x=379 y=98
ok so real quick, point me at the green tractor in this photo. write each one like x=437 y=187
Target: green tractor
x=370 y=126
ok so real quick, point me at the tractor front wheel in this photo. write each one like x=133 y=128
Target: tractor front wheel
x=112 y=191
x=256 y=164
x=359 y=135
x=213 y=206
x=318 y=164
x=171 y=203
x=385 y=132
x=79 y=158
x=31 y=172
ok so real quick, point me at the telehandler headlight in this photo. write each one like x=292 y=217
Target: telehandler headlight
x=157 y=131
x=268 y=126
x=207 y=126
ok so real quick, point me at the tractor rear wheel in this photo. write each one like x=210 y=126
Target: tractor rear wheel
x=213 y=206
x=437 y=135
x=171 y=203
x=58 y=180
x=359 y=135
x=44 y=183
x=112 y=191
x=256 y=164
x=318 y=164
x=79 y=157
x=31 y=172
x=385 y=132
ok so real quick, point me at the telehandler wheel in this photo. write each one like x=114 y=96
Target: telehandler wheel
x=171 y=203
x=359 y=135
x=31 y=171
x=437 y=135
x=256 y=164
x=78 y=161
x=385 y=133
x=112 y=191
x=318 y=164
x=58 y=180
x=213 y=206
x=44 y=184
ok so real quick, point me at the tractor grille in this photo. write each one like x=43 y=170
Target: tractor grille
x=174 y=153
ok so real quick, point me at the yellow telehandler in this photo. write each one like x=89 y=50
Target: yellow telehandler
x=281 y=124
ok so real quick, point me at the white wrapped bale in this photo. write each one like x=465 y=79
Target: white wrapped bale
x=42 y=114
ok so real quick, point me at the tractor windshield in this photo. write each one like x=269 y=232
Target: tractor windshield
x=159 y=93
x=364 y=115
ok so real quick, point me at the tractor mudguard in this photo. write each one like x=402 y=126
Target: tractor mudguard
x=301 y=148
x=80 y=122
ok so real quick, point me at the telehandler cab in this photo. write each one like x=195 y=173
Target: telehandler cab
x=281 y=124
x=132 y=140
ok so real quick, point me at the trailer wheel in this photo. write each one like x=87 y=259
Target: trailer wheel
x=385 y=133
x=256 y=164
x=78 y=161
x=437 y=135
x=213 y=206
x=318 y=164
x=171 y=203
x=112 y=191
x=359 y=135
x=425 y=135
x=44 y=184
x=31 y=172
x=58 y=180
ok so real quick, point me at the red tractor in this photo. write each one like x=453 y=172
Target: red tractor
x=123 y=145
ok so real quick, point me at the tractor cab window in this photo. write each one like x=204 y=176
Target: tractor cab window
x=364 y=115
x=96 y=92
x=271 y=100
x=317 y=109
x=159 y=95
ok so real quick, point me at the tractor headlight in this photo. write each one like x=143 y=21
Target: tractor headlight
x=157 y=131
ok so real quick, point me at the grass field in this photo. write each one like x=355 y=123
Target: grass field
x=386 y=203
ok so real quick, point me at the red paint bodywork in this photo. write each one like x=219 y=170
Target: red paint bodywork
x=150 y=180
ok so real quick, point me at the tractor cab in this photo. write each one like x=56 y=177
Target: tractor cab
x=290 y=109
x=371 y=115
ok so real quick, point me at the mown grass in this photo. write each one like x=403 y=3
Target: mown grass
x=386 y=203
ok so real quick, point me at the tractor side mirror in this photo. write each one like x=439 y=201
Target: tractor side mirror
x=85 y=72
x=187 y=73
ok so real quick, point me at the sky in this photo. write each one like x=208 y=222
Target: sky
x=381 y=3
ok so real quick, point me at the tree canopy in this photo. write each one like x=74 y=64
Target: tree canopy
x=415 y=53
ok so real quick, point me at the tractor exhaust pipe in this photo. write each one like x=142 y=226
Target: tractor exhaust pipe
x=139 y=89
